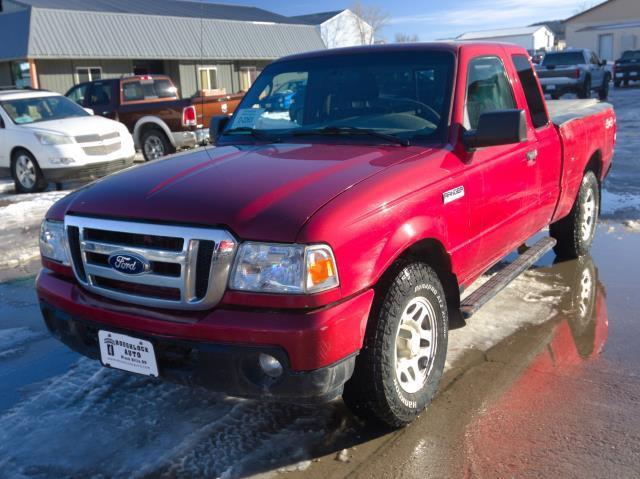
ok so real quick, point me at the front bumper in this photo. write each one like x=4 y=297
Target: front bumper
x=89 y=171
x=219 y=349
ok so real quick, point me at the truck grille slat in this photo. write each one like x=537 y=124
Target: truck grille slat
x=183 y=268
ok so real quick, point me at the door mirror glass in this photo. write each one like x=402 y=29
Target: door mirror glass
x=218 y=123
x=501 y=127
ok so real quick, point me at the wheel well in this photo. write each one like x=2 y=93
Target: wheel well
x=431 y=252
x=595 y=164
x=16 y=149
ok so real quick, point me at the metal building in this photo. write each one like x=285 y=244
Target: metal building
x=54 y=44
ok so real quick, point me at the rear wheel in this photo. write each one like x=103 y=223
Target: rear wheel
x=155 y=144
x=555 y=96
x=575 y=232
x=26 y=173
x=616 y=84
x=399 y=368
x=585 y=91
x=603 y=93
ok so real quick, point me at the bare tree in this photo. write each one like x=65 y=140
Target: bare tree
x=370 y=19
x=404 y=38
x=584 y=6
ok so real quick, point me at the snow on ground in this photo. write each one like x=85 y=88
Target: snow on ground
x=20 y=217
x=19 y=210
x=97 y=421
x=12 y=340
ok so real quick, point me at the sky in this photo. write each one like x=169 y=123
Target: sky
x=438 y=19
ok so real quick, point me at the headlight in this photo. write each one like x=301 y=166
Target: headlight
x=283 y=268
x=53 y=139
x=53 y=241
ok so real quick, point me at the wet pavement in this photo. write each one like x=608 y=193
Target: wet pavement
x=542 y=382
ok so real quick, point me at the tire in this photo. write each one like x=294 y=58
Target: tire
x=155 y=144
x=585 y=91
x=616 y=84
x=603 y=93
x=574 y=233
x=399 y=368
x=555 y=96
x=626 y=83
x=26 y=173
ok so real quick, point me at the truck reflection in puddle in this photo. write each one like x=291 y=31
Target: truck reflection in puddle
x=541 y=415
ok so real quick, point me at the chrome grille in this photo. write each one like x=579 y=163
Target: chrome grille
x=97 y=150
x=97 y=137
x=189 y=266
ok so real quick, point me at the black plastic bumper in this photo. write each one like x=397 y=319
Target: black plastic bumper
x=232 y=369
x=87 y=172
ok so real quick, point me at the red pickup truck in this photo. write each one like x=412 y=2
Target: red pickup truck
x=323 y=246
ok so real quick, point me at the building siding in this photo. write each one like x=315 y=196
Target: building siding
x=584 y=31
x=59 y=75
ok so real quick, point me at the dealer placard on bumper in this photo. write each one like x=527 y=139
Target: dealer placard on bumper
x=129 y=354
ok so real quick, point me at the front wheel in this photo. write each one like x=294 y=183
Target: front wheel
x=26 y=173
x=575 y=232
x=399 y=368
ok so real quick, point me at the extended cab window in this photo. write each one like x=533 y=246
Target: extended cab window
x=488 y=89
x=529 y=84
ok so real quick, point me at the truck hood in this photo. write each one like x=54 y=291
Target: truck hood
x=260 y=192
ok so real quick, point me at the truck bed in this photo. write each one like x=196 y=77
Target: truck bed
x=564 y=111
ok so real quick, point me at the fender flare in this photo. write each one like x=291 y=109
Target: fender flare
x=157 y=122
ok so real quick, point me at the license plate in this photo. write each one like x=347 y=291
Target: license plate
x=551 y=87
x=634 y=74
x=120 y=351
x=619 y=75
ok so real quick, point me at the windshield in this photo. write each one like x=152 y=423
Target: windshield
x=568 y=58
x=37 y=109
x=405 y=94
x=631 y=55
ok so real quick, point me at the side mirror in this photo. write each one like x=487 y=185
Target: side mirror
x=218 y=123
x=500 y=127
x=603 y=63
x=90 y=111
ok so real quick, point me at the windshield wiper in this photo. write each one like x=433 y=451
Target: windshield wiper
x=260 y=135
x=352 y=130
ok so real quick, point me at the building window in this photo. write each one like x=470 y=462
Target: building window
x=84 y=74
x=208 y=77
x=21 y=74
x=247 y=76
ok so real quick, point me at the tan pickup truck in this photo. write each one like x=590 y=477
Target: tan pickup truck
x=151 y=108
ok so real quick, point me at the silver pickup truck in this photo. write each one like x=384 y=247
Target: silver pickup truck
x=574 y=71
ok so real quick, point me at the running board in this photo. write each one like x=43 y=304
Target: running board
x=502 y=278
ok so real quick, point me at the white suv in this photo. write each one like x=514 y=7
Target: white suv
x=45 y=137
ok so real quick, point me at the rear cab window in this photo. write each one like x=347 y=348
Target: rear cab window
x=148 y=89
x=488 y=89
x=562 y=59
x=535 y=101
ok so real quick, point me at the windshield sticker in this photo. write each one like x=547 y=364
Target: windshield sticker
x=247 y=117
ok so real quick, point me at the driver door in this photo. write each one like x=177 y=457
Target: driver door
x=501 y=180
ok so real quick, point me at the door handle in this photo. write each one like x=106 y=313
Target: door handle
x=532 y=155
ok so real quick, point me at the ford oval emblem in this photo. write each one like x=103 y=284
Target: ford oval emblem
x=128 y=263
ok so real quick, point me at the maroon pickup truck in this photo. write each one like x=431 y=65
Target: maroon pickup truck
x=322 y=248
x=149 y=105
